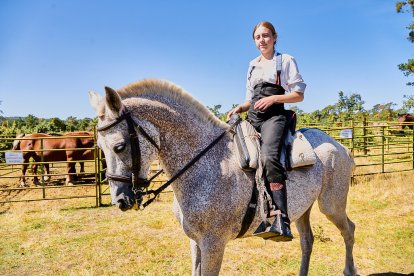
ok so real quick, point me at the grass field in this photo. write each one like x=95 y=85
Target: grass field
x=72 y=237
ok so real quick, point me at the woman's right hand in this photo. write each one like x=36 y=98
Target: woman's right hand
x=237 y=109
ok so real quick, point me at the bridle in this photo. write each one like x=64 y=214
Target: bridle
x=140 y=184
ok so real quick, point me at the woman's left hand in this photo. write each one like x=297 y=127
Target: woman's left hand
x=265 y=103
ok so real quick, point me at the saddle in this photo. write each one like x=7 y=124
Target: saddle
x=296 y=149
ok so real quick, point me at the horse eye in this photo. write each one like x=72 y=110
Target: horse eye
x=119 y=147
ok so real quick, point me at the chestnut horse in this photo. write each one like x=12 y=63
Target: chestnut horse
x=66 y=148
x=406 y=120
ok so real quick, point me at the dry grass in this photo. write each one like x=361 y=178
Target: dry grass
x=71 y=237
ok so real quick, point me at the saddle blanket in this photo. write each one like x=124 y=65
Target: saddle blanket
x=296 y=147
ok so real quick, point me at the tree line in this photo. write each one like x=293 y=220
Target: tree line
x=10 y=126
x=348 y=107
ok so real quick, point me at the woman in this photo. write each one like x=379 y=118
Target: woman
x=269 y=76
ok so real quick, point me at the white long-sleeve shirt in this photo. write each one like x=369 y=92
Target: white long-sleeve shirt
x=262 y=70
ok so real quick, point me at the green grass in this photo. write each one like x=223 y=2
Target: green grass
x=69 y=238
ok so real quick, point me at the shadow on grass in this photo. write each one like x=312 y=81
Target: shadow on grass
x=10 y=195
x=86 y=207
x=391 y=274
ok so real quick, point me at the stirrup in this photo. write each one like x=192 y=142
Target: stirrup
x=277 y=231
x=264 y=230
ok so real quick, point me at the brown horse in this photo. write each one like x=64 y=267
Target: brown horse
x=406 y=120
x=66 y=148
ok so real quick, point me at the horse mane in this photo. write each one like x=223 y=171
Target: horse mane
x=16 y=143
x=171 y=91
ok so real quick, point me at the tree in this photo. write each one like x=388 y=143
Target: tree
x=408 y=67
x=383 y=112
x=56 y=125
x=408 y=104
x=215 y=110
x=349 y=106
x=71 y=123
x=30 y=123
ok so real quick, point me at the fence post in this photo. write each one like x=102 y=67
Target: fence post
x=97 y=171
x=383 y=150
x=352 y=136
x=42 y=170
x=364 y=133
x=412 y=148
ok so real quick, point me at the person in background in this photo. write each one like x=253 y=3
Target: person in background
x=269 y=76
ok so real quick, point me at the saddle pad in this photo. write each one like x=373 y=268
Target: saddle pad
x=247 y=146
x=302 y=153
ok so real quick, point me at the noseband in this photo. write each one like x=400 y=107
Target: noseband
x=138 y=184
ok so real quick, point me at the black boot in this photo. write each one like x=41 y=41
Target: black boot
x=281 y=224
x=279 y=230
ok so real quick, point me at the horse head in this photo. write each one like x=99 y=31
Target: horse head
x=130 y=145
x=403 y=119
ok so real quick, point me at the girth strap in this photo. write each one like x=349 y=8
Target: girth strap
x=250 y=212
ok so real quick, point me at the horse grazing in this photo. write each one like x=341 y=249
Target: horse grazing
x=212 y=196
x=406 y=120
x=66 y=148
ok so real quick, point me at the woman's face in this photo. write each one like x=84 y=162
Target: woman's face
x=264 y=40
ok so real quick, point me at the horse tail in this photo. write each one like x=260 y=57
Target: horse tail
x=16 y=143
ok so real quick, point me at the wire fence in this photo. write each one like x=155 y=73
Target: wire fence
x=377 y=147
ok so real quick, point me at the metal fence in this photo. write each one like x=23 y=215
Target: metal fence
x=51 y=185
x=377 y=147
x=90 y=183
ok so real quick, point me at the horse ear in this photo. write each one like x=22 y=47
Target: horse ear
x=113 y=101
x=94 y=100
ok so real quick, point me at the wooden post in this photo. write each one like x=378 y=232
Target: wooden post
x=364 y=131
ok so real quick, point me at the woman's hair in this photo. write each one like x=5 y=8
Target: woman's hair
x=268 y=25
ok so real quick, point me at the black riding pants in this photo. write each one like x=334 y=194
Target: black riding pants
x=272 y=130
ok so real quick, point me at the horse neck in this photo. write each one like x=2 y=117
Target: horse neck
x=183 y=131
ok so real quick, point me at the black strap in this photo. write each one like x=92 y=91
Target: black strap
x=250 y=212
x=278 y=67
x=185 y=168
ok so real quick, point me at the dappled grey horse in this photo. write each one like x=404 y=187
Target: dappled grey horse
x=156 y=119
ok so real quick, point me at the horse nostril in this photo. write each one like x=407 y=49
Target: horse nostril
x=122 y=204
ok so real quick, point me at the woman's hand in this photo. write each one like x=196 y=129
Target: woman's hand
x=265 y=103
x=237 y=109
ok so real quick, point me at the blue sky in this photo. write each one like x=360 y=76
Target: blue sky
x=53 y=52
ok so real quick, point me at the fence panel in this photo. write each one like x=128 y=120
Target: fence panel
x=377 y=147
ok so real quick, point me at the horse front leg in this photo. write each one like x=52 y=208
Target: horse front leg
x=23 y=178
x=212 y=252
x=306 y=241
x=71 y=171
x=34 y=170
x=195 y=258
x=47 y=170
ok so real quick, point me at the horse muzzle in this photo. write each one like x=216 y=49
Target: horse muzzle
x=124 y=202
